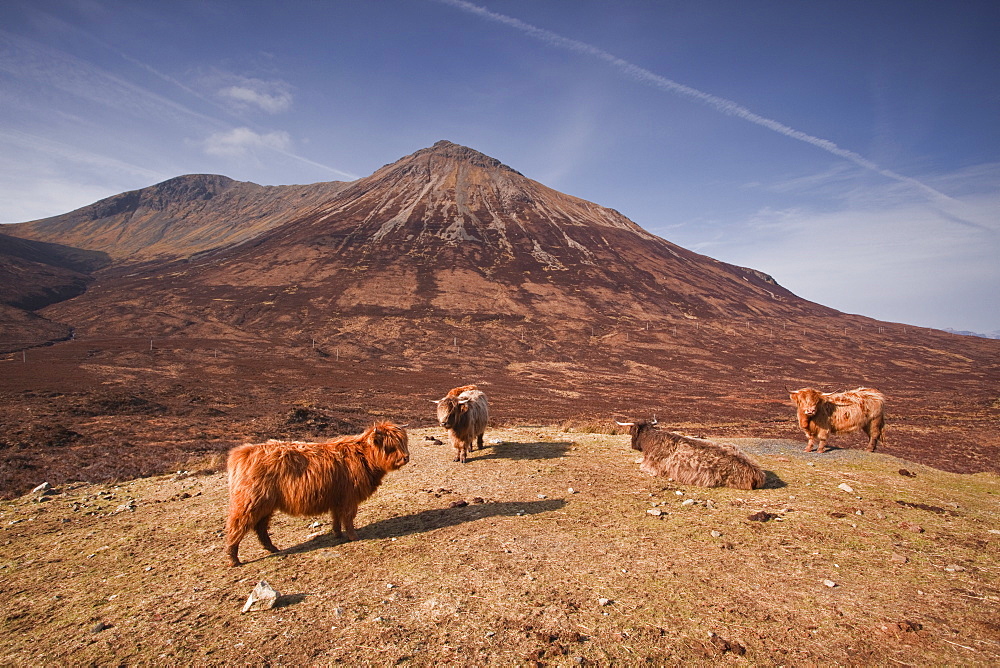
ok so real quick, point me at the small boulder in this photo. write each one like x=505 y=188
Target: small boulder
x=263 y=597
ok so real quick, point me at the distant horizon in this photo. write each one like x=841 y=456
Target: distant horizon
x=849 y=150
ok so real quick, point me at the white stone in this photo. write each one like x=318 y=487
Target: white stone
x=263 y=597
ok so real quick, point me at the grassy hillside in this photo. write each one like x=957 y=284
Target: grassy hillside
x=498 y=563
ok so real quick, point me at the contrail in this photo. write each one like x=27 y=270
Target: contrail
x=721 y=104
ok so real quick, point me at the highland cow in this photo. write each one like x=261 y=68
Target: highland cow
x=821 y=414
x=308 y=479
x=693 y=461
x=464 y=412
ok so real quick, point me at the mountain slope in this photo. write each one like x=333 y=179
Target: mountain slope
x=447 y=267
x=178 y=217
x=446 y=232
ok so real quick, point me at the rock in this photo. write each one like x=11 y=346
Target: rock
x=954 y=568
x=844 y=486
x=99 y=626
x=688 y=502
x=830 y=583
x=716 y=534
x=762 y=516
x=263 y=597
x=458 y=504
x=907 y=474
x=719 y=645
x=542 y=496
x=603 y=602
x=571 y=490
x=655 y=512
x=899 y=558
x=44 y=488
x=910 y=526
x=128 y=506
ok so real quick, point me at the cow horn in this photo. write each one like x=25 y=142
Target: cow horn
x=654 y=420
x=435 y=401
x=625 y=424
x=403 y=426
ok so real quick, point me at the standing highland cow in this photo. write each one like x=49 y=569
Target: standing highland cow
x=308 y=479
x=693 y=461
x=821 y=414
x=464 y=412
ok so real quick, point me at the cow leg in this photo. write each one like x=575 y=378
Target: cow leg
x=335 y=518
x=809 y=444
x=236 y=529
x=479 y=440
x=265 y=539
x=822 y=436
x=874 y=431
x=347 y=519
x=239 y=523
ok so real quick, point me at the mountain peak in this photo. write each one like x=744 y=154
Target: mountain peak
x=456 y=152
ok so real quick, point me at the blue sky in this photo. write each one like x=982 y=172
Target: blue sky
x=849 y=149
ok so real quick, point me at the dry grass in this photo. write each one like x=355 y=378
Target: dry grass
x=497 y=563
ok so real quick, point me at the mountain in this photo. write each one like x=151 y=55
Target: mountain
x=177 y=218
x=446 y=232
x=239 y=305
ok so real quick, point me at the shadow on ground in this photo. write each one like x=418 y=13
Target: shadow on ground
x=539 y=450
x=428 y=520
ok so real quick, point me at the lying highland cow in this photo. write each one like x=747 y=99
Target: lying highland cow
x=308 y=479
x=692 y=461
x=464 y=412
x=822 y=414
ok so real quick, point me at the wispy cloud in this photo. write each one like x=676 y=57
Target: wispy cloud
x=720 y=104
x=263 y=95
x=31 y=144
x=244 y=142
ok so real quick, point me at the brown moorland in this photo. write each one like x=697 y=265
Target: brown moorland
x=193 y=334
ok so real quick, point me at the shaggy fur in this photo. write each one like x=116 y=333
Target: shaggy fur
x=821 y=414
x=464 y=412
x=308 y=479
x=693 y=461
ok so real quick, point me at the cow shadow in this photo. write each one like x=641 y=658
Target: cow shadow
x=429 y=520
x=772 y=481
x=537 y=450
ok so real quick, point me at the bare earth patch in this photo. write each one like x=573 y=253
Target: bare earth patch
x=549 y=547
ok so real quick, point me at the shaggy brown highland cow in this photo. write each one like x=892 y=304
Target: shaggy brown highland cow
x=821 y=414
x=693 y=461
x=464 y=412
x=308 y=479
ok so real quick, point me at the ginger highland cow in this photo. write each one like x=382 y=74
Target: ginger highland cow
x=821 y=414
x=308 y=479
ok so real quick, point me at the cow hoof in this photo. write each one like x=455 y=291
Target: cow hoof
x=808 y=449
